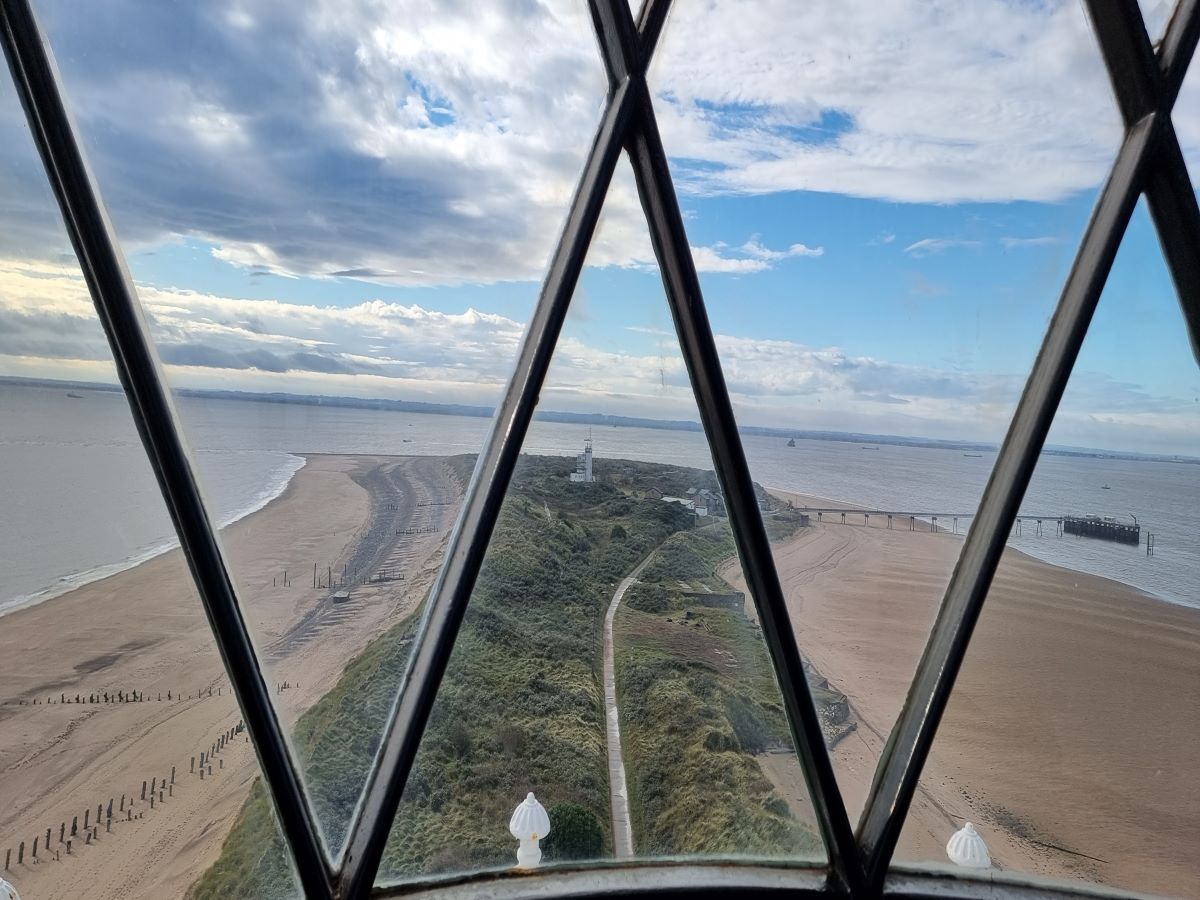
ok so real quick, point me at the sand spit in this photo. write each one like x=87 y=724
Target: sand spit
x=144 y=630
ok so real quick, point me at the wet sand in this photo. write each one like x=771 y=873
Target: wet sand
x=1073 y=738
x=144 y=629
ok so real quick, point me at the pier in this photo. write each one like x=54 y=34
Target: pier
x=1102 y=527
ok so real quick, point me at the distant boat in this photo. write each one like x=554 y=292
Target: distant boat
x=868 y=448
x=74 y=396
x=791 y=442
x=973 y=455
x=1105 y=487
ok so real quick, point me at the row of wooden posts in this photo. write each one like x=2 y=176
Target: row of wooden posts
x=156 y=789
x=121 y=696
x=327 y=580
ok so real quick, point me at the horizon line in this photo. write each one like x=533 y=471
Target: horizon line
x=433 y=407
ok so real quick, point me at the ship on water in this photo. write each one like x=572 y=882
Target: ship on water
x=791 y=442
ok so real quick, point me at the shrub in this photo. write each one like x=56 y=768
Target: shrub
x=574 y=834
x=749 y=724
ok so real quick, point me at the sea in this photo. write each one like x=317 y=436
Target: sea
x=80 y=501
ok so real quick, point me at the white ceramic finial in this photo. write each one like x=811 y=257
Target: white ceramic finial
x=966 y=848
x=529 y=824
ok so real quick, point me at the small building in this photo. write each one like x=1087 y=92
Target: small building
x=653 y=494
x=682 y=501
x=583 y=465
x=711 y=500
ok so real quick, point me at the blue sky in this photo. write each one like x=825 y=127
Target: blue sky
x=359 y=198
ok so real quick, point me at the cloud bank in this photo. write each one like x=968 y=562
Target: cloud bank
x=424 y=144
x=378 y=349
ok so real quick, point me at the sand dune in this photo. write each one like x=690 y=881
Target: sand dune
x=1073 y=738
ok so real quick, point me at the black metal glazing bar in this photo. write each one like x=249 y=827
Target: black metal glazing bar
x=1177 y=47
x=116 y=302
x=682 y=286
x=716 y=413
x=651 y=20
x=1143 y=83
x=468 y=543
x=904 y=756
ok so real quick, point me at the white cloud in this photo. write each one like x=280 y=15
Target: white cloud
x=755 y=249
x=709 y=259
x=425 y=143
x=898 y=100
x=48 y=328
x=934 y=246
x=753 y=256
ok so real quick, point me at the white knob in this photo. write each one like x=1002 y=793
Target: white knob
x=966 y=848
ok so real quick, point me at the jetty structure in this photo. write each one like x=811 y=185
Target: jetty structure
x=1105 y=528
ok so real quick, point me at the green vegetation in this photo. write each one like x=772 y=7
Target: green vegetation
x=698 y=699
x=575 y=834
x=521 y=704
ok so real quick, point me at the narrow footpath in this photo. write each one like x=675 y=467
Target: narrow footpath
x=622 y=831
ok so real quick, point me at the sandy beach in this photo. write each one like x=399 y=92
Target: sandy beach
x=1073 y=738
x=1072 y=741
x=144 y=630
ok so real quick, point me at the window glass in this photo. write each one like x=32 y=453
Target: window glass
x=123 y=754
x=1070 y=741
x=1186 y=119
x=880 y=247
x=1156 y=13
x=610 y=661
x=337 y=215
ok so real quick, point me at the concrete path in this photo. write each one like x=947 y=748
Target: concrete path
x=622 y=831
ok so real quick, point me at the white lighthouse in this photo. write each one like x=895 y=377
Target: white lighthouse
x=583 y=464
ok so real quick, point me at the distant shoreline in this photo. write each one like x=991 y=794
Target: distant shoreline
x=602 y=420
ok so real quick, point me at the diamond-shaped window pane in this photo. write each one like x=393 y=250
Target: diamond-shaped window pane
x=1070 y=739
x=614 y=538
x=1156 y=14
x=336 y=223
x=123 y=756
x=880 y=250
x=1186 y=118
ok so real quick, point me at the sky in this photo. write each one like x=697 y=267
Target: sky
x=360 y=197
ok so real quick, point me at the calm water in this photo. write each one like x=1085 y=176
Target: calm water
x=80 y=500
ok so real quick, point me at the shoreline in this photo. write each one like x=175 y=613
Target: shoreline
x=144 y=629
x=1070 y=736
x=73 y=581
x=783 y=494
